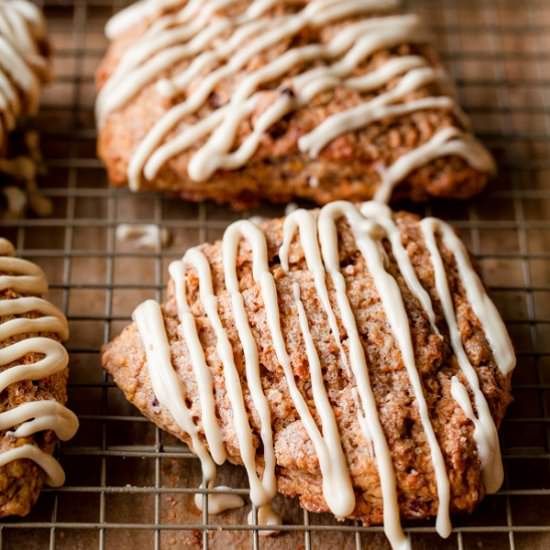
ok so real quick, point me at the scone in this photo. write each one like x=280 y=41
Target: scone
x=348 y=356
x=240 y=101
x=33 y=384
x=24 y=67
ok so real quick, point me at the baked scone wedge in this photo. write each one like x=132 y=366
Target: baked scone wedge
x=33 y=384
x=239 y=101
x=347 y=356
x=24 y=67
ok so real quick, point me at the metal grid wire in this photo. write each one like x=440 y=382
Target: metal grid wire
x=131 y=485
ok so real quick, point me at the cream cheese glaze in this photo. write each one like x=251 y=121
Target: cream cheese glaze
x=370 y=224
x=218 y=47
x=28 y=280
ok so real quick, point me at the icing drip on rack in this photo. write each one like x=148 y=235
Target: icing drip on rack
x=216 y=47
x=26 y=419
x=219 y=502
x=370 y=225
x=267 y=517
x=146 y=236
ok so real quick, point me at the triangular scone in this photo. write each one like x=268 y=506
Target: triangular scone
x=239 y=101
x=369 y=328
x=33 y=385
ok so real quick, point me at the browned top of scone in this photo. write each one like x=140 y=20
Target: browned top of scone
x=21 y=480
x=298 y=472
x=347 y=168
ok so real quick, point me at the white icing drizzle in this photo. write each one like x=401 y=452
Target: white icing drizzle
x=375 y=109
x=328 y=238
x=27 y=277
x=136 y=13
x=166 y=384
x=482 y=305
x=24 y=277
x=318 y=235
x=305 y=222
x=337 y=489
x=485 y=432
x=331 y=456
x=21 y=64
x=447 y=141
x=232 y=236
x=218 y=47
x=190 y=335
x=261 y=491
x=368 y=237
x=382 y=215
x=52 y=468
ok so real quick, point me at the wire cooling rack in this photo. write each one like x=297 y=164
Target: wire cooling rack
x=131 y=486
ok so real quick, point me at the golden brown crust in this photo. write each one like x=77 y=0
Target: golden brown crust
x=297 y=466
x=348 y=168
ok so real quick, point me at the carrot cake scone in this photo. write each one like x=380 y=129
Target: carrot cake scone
x=348 y=356
x=24 y=67
x=33 y=382
x=239 y=101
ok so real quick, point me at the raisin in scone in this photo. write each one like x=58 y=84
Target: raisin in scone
x=348 y=356
x=33 y=384
x=24 y=67
x=239 y=101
